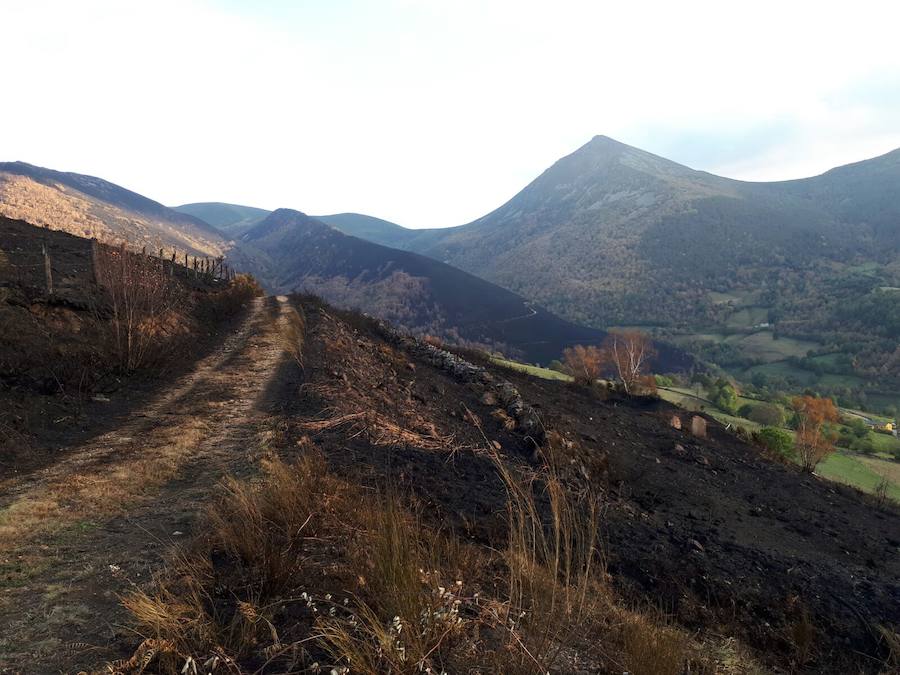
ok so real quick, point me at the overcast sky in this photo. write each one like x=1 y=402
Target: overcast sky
x=434 y=112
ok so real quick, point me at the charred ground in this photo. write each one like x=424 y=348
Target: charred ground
x=721 y=540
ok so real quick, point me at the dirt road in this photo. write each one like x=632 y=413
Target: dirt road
x=78 y=534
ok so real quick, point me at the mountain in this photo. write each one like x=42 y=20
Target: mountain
x=91 y=207
x=230 y=219
x=292 y=251
x=235 y=219
x=374 y=229
x=613 y=235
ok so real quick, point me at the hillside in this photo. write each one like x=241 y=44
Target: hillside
x=292 y=251
x=92 y=207
x=104 y=322
x=318 y=475
x=234 y=220
x=230 y=219
x=613 y=235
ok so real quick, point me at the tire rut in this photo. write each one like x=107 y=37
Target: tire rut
x=61 y=580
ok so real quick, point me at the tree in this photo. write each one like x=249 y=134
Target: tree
x=724 y=396
x=767 y=414
x=556 y=365
x=815 y=440
x=630 y=351
x=778 y=441
x=584 y=364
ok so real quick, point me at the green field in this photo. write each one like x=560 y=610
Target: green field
x=747 y=318
x=859 y=472
x=760 y=344
x=737 y=298
x=537 y=371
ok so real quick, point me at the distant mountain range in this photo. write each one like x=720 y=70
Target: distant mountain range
x=609 y=235
x=288 y=250
x=293 y=251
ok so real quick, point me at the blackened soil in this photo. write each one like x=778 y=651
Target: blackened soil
x=721 y=538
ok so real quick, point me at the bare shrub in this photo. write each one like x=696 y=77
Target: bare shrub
x=232 y=299
x=630 y=352
x=141 y=297
x=584 y=364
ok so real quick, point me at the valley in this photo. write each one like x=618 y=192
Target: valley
x=786 y=285
x=522 y=399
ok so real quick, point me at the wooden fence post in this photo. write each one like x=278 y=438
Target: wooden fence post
x=47 y=271
x=95 y=259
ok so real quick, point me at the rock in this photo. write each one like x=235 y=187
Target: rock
x=697 y=545
x=675 y=422
x=488 y=398
x=100 y=398
x=698 y=426
x=679 y=450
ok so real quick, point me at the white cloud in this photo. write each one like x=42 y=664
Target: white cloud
x=432 y=113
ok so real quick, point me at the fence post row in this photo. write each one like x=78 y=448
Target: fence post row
x=48 y=272
x=214 y=268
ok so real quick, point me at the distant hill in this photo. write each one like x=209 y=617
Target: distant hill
x=613 y=235
x=230 y=219
x=91 y=207
x=234 y=220
x=374 y=229
x=292 y=251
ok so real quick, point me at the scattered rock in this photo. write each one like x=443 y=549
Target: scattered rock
x=698 y=426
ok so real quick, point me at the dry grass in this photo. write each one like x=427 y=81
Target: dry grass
x=651 y=648
x=380 y=430
x=301 y=570
x=292 y=334
x=98 y=488
x=891 y=639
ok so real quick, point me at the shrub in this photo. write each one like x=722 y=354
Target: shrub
x=664 y=381
x=140 y=298
x=630 y=352
x=767 y=414
x=584 y=364
x=778 y=441
x=815 y=437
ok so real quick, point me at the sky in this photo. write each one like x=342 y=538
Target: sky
x=432 y=113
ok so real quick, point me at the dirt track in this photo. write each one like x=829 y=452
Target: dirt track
x=725 y=541
x=79 y=533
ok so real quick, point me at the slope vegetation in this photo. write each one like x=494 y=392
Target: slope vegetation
x=613 y=235
x=378 y=488
x=293 y=251
x=91 y=207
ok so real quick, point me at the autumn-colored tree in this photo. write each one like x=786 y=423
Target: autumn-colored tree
x=630 y=352
x=584 y=364
x=814 y=440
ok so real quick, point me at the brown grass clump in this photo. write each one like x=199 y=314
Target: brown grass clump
x=380 y=430
x=653 y=649
x=302 y=572
x=293 y=333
